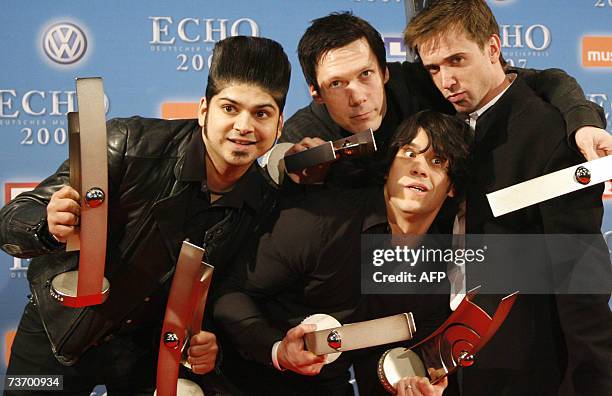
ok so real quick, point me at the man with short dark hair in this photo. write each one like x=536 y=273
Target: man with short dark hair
x=307 y=262
x=168 y=181
x=549 y=344
x=354 y=88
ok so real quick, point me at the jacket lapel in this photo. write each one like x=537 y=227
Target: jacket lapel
x=170 y=214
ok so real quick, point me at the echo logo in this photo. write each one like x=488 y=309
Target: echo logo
x=597 y=51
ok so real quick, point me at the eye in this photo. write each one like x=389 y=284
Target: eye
x=439 y=161
x=456 y=60
x=408 y=153
x=261 y=114
x=227 y=108
x=367 y=73
x=335 y=84
x=433 y=69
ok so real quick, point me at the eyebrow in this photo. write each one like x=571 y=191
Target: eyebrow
x=256 y=106
x=414 y=147
x=432 y=65
x=335 y=77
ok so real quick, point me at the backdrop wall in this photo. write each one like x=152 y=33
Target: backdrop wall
x=153 y=56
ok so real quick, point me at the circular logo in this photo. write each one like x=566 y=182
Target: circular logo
x=64 y=43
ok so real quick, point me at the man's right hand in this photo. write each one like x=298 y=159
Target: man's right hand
x=63 y=213
x=315 y=174
x=292 y=355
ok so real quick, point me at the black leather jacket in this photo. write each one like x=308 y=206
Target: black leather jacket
x=148 y=195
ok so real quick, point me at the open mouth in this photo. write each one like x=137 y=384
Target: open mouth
x=417 y=187
x=241 y=142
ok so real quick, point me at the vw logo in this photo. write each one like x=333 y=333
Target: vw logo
x=64 y=43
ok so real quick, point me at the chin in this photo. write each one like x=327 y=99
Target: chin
x=239 y=159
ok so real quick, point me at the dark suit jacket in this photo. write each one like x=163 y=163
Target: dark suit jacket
x=517 y=139
x=308 y=261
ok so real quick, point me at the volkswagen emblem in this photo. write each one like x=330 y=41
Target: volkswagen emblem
x=64 y=43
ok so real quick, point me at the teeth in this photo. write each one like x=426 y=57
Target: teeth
x=242 y=143
x=416 y=188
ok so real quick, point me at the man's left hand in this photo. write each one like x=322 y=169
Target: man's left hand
x=202 y=352
x=593 y=142
x=420 y=386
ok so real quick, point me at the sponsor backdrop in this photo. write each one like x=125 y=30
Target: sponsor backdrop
x=154 y=59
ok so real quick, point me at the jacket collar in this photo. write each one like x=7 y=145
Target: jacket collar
x=511 y=101
x=376 y=215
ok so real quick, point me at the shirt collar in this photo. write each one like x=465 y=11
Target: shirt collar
x=249 y=189
x=473 y=116
x=376 y=219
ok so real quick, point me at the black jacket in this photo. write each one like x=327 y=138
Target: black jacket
x=149 y=192
x=308 y=261
x=519 y=138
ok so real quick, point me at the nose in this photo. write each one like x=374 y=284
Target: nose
x=419 y=167
x=357 y=95
x=243 y=123
x=448 y=78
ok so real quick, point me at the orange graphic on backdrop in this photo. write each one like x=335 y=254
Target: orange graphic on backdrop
x=9 y=336
x=597 y=51
x=174 y=110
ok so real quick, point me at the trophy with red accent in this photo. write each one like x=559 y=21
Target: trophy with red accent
x=277 y=162
x=89 y=177
x=183 y=318
x=452 y=345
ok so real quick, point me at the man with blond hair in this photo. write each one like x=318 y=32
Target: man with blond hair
x=550 y=344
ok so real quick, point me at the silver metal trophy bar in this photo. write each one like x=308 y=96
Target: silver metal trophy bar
x=277 y=162
x=360 y=335
x=550 y=186
x=89 y=176
x=183 y=317
x=332 y=338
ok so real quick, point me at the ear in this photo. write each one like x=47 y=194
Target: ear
x=315 y=95
x=493 y=45
x=451 y=191
x=281 y=123
x=386 y=76
x=202 y=109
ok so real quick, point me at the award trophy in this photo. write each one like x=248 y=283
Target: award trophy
x=550 y=186
x=277 y=162
x=89 y=176
x=183 y=318
x=452 y=345
x=331 y=338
